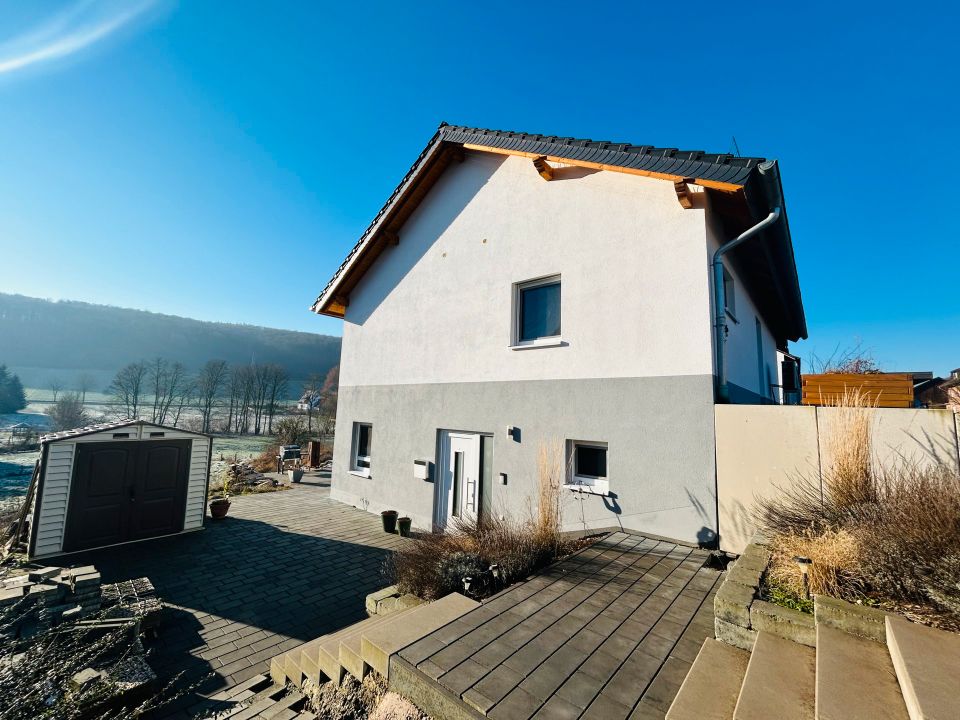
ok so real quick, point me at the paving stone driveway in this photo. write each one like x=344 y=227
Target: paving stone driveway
x=283 y=568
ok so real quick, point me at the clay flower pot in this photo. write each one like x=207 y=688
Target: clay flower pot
x=404 y=526
x=218 y=508
x=389 y=518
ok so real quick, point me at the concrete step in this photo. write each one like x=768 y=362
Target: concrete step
x=927 y=663
x=855 y=679
x=711 y=688
x=351 y=645
x=381 y=642
x=779 y=682
x=293 y=666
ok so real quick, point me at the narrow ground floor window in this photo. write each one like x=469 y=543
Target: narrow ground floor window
x=362 y=440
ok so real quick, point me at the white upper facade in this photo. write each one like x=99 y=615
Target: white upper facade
x=634 y=270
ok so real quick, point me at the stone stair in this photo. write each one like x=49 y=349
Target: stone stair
x=364 y=645
x=914 y=674
x=258 y=698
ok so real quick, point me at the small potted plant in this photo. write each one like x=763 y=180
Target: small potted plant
x=389 y=518
x=404 y=526
x=220 y=505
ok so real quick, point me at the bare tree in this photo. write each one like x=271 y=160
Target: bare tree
x=183 y=397
x=127 y=389
x=311 y=395
x=67 y=412
x=261 y=389
x=85 y=383
x=55 y=385
x=277 y=383
x=168 y=382
x=209 y=386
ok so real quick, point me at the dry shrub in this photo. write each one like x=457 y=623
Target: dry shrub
x=433 y=565
x=267 y=460
x=836 y=559
x=891 y=532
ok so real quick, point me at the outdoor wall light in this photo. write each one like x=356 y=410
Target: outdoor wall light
x=804 y=564
x=466 y=583
x=495 y=571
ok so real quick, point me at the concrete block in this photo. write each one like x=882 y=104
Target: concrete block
x=375 y=597
x=755 y=557
x=85 y=678
x=859 y=620
x=387 y=605
x=783 y=622
x=744 y=575
x=732 y=603
x=43 y=573
x=735 y=635
x=11 y=595
x=408 y=601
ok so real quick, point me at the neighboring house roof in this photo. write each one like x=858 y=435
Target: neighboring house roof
x=115 y=425
x=739 y=192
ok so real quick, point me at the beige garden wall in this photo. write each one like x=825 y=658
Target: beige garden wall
x=764 y=448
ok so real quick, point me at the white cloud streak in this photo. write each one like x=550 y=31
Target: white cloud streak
x=81 y=26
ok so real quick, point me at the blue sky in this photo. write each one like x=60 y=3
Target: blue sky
x=235 y=134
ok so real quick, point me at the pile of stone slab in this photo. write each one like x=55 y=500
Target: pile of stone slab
x=242 y=475
x=34 y=599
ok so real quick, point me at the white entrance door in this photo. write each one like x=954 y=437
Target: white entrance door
x=458 y=489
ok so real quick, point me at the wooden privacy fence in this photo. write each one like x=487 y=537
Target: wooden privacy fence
x=886 y=390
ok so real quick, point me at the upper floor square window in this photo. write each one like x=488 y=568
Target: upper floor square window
x=538 y=309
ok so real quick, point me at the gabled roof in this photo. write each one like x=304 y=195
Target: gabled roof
x=114 y=425
x=741 y=190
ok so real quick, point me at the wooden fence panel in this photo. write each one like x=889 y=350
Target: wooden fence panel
x=886 y=390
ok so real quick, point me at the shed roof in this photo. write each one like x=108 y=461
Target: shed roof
x=114 y=425
x=743 y=193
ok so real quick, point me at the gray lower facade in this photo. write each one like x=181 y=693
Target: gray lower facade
x=659 y=433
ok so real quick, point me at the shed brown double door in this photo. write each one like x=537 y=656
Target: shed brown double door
x=122 y=491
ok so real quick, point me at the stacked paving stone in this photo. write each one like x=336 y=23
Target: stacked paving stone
x=43 y=597
x=242 y=474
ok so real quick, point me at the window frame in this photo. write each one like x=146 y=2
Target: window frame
x=729 y=294
x=355 y=458
x=587 y=483
x=516 y=333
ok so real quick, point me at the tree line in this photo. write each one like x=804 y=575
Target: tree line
x=246 y=398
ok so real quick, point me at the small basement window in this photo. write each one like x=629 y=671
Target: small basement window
x=362 y=440
x=587 y=463
x=537 y=306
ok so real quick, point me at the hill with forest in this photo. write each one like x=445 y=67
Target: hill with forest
x=44 y=339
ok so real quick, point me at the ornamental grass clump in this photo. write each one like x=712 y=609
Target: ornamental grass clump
x=887 y=533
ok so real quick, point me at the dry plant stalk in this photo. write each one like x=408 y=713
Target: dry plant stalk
x=849 y=479
x=550 y=477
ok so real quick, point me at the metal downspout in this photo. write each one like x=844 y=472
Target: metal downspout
x=719 y=298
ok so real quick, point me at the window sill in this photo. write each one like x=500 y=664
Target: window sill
x=601 y=487
x=360 y=473
x=541 y=343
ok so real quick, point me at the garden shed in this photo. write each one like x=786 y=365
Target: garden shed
x=115 y=483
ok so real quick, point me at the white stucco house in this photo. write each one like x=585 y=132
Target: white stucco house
x=518 y=289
